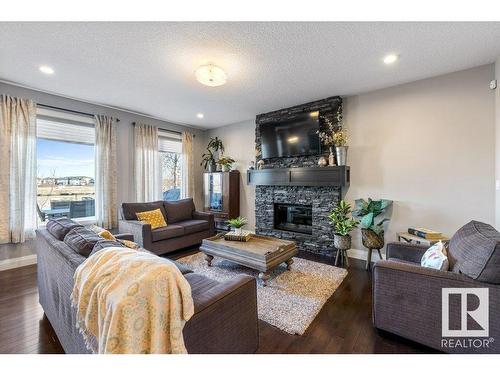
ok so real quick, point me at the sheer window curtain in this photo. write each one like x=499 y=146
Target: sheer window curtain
x=18 y=171
x=147 y=163
x=187 y=166
x=105 y=172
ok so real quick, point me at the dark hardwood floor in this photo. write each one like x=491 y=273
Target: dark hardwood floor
x=343 y=325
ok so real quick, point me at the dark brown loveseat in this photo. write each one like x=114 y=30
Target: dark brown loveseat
x=185 y=226
x=408 y=298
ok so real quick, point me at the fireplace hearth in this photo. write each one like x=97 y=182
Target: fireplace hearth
x=293 y=217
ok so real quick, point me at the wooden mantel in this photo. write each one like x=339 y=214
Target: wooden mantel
x=303 y=176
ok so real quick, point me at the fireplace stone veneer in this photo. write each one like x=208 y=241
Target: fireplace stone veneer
x=321 y=199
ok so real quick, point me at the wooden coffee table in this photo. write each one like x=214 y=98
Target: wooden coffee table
x=260 y=253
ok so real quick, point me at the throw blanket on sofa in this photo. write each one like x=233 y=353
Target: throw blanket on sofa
x=131 y=302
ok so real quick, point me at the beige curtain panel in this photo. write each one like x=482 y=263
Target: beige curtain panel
x=147 y=163
x=187 y=165
x=105 y=172
x=18 y=169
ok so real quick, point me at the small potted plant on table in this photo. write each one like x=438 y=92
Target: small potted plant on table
x=372 y=230
x=237 y=224
x=342 y=225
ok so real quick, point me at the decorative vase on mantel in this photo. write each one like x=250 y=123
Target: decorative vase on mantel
x=372 y=241
x=341 y=154
x=331 y=158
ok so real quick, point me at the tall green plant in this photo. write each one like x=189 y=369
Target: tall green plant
x=368 y=211
x=215 y=144
x=339 y=219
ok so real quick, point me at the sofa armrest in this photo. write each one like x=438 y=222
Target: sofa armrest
x=124 y=236
x=405 y=251
x=141 y=231
x=198 y=215
x=407 y=301
x=225 y=320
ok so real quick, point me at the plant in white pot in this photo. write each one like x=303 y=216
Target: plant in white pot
x=342 y=224
x=237 y=224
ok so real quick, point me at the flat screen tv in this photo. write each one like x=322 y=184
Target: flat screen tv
x=296 y=136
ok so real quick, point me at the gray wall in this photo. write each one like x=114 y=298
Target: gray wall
x=428 y=145
x=125 y=136
x=497 y=144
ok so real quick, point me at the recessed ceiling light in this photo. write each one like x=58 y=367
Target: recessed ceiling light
x=211 y=75
x=391 y=58
x=46 y=69
x=200 y=115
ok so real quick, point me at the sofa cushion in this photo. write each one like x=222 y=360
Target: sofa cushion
x=82 y=240
x=179 y=210
x=59 y=228
x=182 y=267
x=200 y=289
x=130 y=210
x=104 y=244
x=475 y=251
x=193 y=226
x=167 y=232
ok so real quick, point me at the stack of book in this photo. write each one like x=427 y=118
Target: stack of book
x=243 y=237
x=426 y=233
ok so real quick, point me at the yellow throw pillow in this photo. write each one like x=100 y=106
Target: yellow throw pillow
x=106 y=234
x=154 y=217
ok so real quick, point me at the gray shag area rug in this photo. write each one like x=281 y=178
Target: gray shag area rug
x=292 y=299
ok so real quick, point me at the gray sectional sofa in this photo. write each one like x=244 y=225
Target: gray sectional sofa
x=408 y=298
x=225 y=318
x=185 y=226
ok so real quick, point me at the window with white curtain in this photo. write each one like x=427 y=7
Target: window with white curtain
x=170 y=150
x=65 y=166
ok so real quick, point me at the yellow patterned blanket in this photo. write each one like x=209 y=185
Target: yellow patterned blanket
x=129 y=301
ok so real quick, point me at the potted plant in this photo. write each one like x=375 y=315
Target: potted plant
x=208 y=161
x=237 y=224
x=226 y=163
x=342 y=225
x=372 y=230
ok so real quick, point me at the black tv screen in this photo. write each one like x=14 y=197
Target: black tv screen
x=296 y=136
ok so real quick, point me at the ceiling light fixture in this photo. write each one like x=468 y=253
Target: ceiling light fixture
x=200 y=115
x=391 y=58
x=46 y=69
x=211 y=75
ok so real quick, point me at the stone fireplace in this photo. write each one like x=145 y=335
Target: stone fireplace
x=293 y=197
x=318 y=201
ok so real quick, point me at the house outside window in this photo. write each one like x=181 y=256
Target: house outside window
x=170 y=150
x=65 y=166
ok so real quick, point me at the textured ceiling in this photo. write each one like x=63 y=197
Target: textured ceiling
x=149 y=67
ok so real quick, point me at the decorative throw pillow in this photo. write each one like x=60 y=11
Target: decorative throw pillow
x=154 y=217
x=435 y=257
x=106 y=234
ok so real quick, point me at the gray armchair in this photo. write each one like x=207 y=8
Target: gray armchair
x=185 y=226
x=408 y=298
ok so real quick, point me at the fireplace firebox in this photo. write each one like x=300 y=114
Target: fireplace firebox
x=293 y=217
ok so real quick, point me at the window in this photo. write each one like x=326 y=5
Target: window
x=65 y=166
x=170 y=149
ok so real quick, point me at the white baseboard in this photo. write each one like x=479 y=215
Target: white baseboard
x=17 y=262
x=362 y=254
